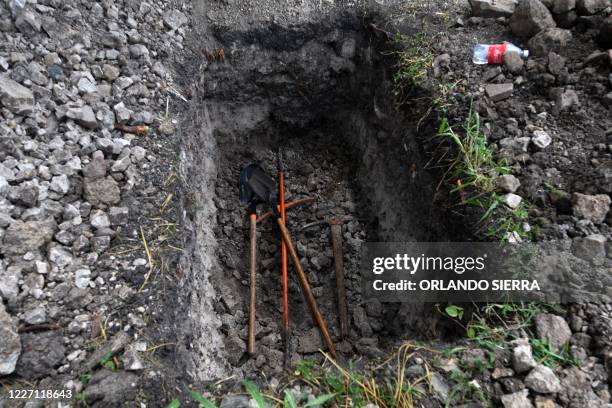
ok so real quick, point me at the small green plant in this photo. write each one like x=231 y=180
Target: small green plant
x=175 y=403
x=414 y=60
x=465 y=390
x=201 y=400
x=474 y=164
x=253 y=390
x=545 y=353
x=454 y=311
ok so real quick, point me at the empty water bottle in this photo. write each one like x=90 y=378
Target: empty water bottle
x=494 y=53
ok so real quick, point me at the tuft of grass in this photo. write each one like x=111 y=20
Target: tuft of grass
x=474 y=164
x=201 y=400
x=413 y=63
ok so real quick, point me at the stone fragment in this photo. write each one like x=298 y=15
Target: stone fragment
x=492 y=8
x=591 y=248
x=555 y=63
x=513 y=62
x=110 y=72
x=21 y=237
x=440 y=387
x=522 y=358
x=15 y=97
x=131 y=359
x=518 y=399
x=235 y=401
x=512 y=200
x=550 y=39
x=37 y=315
x=10 y=346
x=9 y=282
x=25 y=194
x=174 y=19
x=118 y=215
x=109 y=349
x=530 y=17
x=42 y=353
x=111 y=388
x=60 y=184
x=508 y=183
x=82 y=278
x=102 y=191
x=96 y=167
x=566 y=99
x=591 y=207
x=84 y=116
x=498 y=92
x=554 y=328
x=541 y=139
x=543 y=380
x=99 y=219
x=590 y=7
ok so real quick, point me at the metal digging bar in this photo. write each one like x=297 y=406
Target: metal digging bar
x=257 y=187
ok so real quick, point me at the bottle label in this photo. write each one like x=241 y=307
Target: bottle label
x=496 y=53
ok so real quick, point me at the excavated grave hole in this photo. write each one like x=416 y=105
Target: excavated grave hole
x=324 y=94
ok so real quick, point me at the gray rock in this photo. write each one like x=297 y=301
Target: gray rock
x=590 y=7
x=59 y=256
x=96 y=168
x=174 y=19
x=110 y=349
x=118 y=215
x=37 y=315
x=566 y=99
x=25 y=194
x=110 y=72
x=553 y=327
x=492 y=8
x=310 y=342
x=122 y=113
x=530 y=17
x=42 y=353
x=555 y=63
x=508 y=183
x=543 y=380
x=131 y=359
x=498 y=92
x=82 y=278
x=15 y=97
x=21 y=237
x=102 y=191
x=550 y=39
x=522 y=358
x=563 y=6
x=517 y=400
x=60 y=184
x=541 y=139
x=590 y=248
x=513 y=62
x=440 y=387
x=99 y=219
x=591 y=207
x=111 y=389
x=84 y=116
x=9 y=282
x=512 y=200
x=10 y=346
x=235 y=401
x=566 y=20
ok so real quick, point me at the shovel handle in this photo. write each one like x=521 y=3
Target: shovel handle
x=310 y=299
x=253 y=282
x=336 y=238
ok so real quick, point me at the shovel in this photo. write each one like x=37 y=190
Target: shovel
x=257 y=187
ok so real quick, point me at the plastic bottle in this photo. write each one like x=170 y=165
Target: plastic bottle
x=494 y=53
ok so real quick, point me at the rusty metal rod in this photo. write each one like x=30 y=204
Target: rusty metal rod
x=336 y=238
x=288 y=206
x=310 y=299
x=253 y=288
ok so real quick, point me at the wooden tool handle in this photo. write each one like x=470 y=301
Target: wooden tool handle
x=336 y=237
x=310 y=299
x=253 y=277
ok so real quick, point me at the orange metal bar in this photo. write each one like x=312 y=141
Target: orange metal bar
x=281 y=178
